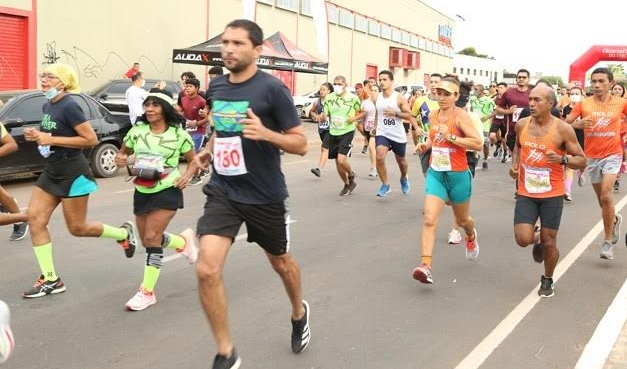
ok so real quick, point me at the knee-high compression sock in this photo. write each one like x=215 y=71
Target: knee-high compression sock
x=43 y=253
x=113 y=232
x=152 y=269
x=172 y=241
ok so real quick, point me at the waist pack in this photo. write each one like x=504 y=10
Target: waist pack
x=147 y=177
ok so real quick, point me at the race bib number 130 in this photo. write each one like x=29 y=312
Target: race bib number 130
x=228 y=156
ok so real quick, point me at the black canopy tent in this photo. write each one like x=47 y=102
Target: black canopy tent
x=278 y=53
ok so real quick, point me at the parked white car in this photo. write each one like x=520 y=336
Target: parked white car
x=304 y=103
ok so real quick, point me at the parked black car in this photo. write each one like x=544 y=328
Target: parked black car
x=113 y=93
x=24 y=109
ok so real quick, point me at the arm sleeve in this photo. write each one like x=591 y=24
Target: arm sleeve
x=285 y=114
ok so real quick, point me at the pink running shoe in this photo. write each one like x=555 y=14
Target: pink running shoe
x=7 y=343
x=190 y=251
x=141 y=300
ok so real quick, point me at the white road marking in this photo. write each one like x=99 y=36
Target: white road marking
x=598 y=349
x=485 y=348
x=239 y=237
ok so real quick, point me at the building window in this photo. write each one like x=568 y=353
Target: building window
x=396 y=35
x=454 y=70
x=332 y=13
x=346 y=18
x=405 y=39
x=468 y=71
x=374 y=28
x=421 y=44
x=474 y=72
x=361 y=23
x=481 y=73
x=413 y=41
x=305 y=7
x=386 y=32
x=291 y=5
x=269 y=2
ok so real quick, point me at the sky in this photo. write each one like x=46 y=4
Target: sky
x=538 y=35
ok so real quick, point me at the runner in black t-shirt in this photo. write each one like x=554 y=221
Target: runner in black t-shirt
x=254 y=117
x=67 y=178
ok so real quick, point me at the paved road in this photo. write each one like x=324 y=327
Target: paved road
x=356 y=254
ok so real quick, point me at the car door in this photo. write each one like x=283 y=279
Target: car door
x=25 y=112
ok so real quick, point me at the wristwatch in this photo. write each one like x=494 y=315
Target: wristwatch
x=453 y=138
x=565 y=160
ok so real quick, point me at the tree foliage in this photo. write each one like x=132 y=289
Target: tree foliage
x=471 y=51
x=555 y=80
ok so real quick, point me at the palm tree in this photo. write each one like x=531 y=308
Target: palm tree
x=617 y=69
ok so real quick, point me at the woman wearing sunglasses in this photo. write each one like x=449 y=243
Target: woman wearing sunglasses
x=158 y=140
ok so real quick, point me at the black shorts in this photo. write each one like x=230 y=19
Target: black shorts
x=67 y=177
x=406 y=125
x=367 y=137
x=549 y=209
x=341 y=145
x=580 y=136
x=425 y=161
x=496 y=127
x=168 y=199
x=267 y=224
x=471 y=159
x=325 y=137
x=511 y=142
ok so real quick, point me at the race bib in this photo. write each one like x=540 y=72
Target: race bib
x=537 y=180
x=228 y=156
x=338 y=122
x=516 y=114
x=369 y=126
x=499 y=116
x=149 y=161
x=323 y=125
x=441 y=159
x=189 y=128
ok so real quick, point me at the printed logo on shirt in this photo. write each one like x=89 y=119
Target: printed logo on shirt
x=227 y=115
x=47 y=123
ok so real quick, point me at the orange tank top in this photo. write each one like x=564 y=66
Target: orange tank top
x=536 y=177
x=445 y=155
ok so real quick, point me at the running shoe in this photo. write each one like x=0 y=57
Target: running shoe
x=345 y=190
x=581 y=180
x=129 y=244
x=546 y=287
x=300 y=331
x=7 y=343
x=364 y=150
x=195 y=181
x=351 y=183
x=454 y=237
x=537 y=252
x=223 y=362
x=567 y=197
x=504 y=159
x=472 y=248
x=384 y=190
x=190 y=251
x=497 y=152
x=204 y=174
x=19 y=231
x=616 y=185
x=373 y=173
x=607 y=250
x=316 y=172
x=141 y=300
x=405 y=186
x=422 y=273
x=616 y=229
x=43 y=288
x=484 y=165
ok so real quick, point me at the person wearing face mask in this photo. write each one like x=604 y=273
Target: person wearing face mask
x=66 y=179
x=135 y=96
x=619 y=90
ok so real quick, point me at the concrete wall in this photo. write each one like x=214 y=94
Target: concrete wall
x=479 y=70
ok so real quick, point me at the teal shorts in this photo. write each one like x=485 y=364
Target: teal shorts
x=453 y=186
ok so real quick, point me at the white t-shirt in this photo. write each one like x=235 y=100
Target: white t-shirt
x=135 y=97
x=390 y=127
x=368 y=106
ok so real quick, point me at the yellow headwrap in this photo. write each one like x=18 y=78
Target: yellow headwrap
x=67 y=75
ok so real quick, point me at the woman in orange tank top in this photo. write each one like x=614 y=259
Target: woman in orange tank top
x=448 y=178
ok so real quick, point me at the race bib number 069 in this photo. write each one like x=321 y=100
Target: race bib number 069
x=228 y=156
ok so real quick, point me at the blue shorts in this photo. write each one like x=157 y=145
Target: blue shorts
x=397 y=147
x=453 y=186
x=199 y=139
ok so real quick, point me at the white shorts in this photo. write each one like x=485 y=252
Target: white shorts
x=596 y=168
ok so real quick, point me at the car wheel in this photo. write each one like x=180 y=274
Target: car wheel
x=103 y=160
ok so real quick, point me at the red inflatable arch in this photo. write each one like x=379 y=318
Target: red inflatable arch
x=594 y=55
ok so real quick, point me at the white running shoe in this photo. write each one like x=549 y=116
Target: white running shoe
x=373 y=173
x=454 y=238
x=141 y=300
x=472 y=248
x=190 y=251
x=7 y=343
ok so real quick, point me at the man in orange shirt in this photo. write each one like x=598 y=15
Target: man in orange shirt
x=601 y=119
x=544 y=145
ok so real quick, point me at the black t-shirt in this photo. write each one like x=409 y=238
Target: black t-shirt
x=59 y=119
x=257 y=179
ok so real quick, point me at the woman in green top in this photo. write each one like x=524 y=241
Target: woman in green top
x=157 y=142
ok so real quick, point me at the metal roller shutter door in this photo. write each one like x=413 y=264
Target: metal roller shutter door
x=13 y=51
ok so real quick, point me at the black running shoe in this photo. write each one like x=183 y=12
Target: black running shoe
x=345 y=190
x=43 y=288
x=19 y=231
x=223 y=362
x=300 y=331
x=538 y=252
x=316 y=172
x=546 y=287
x=129 y=244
